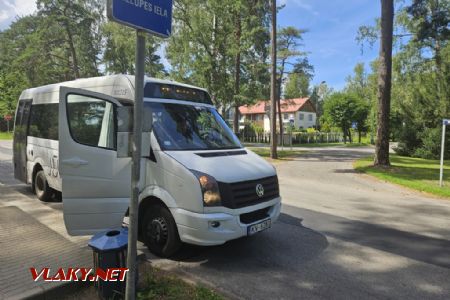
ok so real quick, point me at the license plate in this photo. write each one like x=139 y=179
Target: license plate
x=252 y=229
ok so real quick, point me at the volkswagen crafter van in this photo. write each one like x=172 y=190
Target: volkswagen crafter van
x=199 y=185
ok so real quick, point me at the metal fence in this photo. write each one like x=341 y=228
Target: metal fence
x=292 y=138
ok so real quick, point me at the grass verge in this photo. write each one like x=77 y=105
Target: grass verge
x=415 y=173
x=161 y=285
x=282 y=154
x=313 y=145
x=6 y=135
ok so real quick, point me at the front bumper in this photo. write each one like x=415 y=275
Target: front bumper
x=195 y=228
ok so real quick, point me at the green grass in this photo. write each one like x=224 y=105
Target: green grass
x=6 y=135
x=159 y=285
x=415 y=173
x=315 y=145
x=352 y=145
x=282 y=154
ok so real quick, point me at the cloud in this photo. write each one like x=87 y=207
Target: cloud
x=303 y=4
x=9 y=9
x=3 y=15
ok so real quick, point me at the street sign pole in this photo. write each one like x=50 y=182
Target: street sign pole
x=147 y=17
x=130 y=291
x=441 y=173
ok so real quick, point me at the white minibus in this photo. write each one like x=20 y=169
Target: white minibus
x=199 y=185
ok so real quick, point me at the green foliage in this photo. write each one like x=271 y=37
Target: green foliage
x=65 y=40
x=420 y=79
x=205 y=44
x=119 y=53
x=297 y=86
x=342 y=109
x=288 y=42
x=11 y=85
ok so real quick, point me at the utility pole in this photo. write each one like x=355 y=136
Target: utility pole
x=273 y=82
x=445 y=122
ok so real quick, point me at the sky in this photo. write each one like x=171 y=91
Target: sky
x=330 y=40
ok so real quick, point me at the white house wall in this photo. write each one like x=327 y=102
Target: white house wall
x=305 y=123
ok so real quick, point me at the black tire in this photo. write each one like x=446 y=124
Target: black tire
x=159 y=231
x=43 y=191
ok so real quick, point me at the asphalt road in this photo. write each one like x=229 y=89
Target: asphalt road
x=341 y=235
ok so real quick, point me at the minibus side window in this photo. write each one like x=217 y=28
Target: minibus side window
x=91 y=121
x=44 y=121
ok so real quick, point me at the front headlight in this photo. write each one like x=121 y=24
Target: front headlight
x=210 y=189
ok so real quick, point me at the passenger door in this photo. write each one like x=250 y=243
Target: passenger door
x=20 y=139
x=95 y=182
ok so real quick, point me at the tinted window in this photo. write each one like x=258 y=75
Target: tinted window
x=170 y=91
x=91 y=121
x=44 y=121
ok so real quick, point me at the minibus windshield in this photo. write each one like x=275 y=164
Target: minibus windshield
x=190 y=127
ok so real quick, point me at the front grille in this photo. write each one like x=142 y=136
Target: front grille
x=241 y=194
x=254 y=216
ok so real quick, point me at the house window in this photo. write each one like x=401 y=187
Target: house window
x=310 y=117
x=286 y=116
x=301 y=116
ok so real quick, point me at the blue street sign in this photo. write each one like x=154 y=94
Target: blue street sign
x=153 y=16
x=446 y=122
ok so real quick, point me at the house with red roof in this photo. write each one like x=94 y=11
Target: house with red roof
x=299 y=112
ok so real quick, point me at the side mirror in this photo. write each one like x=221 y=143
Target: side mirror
x=125 y=131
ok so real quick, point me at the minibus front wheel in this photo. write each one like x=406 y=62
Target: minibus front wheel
x=159 y=231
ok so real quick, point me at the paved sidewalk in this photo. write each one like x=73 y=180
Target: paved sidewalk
x=33 y=235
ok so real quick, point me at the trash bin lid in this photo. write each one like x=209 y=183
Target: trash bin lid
x=111 y=239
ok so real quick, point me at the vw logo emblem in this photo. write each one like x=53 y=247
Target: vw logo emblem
x=259 y=190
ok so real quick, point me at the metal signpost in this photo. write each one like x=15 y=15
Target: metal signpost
x=146 y=16
x=445 y=122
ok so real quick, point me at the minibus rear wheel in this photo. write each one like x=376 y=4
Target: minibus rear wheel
x=43 y=191
x=160 y=232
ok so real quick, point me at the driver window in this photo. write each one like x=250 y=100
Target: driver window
x=91 y=121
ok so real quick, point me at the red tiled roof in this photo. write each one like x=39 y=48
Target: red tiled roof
x=287 y=105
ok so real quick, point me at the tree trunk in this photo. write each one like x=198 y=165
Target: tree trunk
x=384 y=84
x=283 y=63
x=273 y=82
x=280 y=119
x=237 y=76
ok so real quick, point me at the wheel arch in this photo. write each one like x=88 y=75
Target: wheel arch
x=152 y=195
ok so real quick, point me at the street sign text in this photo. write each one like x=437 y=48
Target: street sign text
x=152 y=16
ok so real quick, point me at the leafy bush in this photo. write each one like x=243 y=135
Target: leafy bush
x=431 y=144
x=422 y=142
x=408 y=139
